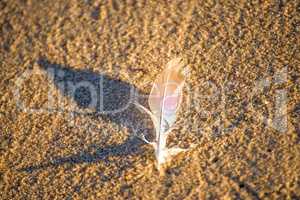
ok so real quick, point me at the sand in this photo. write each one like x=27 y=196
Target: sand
x=240 y=115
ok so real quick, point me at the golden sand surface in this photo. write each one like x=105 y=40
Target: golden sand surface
x=241 y=106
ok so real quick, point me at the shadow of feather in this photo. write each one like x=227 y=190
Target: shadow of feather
x=91 y=155
x=96 y=96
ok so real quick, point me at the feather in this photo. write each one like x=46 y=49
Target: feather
x=164 y=101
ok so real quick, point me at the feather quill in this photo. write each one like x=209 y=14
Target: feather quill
x=164 y=101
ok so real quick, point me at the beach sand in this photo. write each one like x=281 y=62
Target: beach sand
x=240 y=115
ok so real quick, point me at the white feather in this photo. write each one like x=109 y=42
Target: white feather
x=164 y=100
